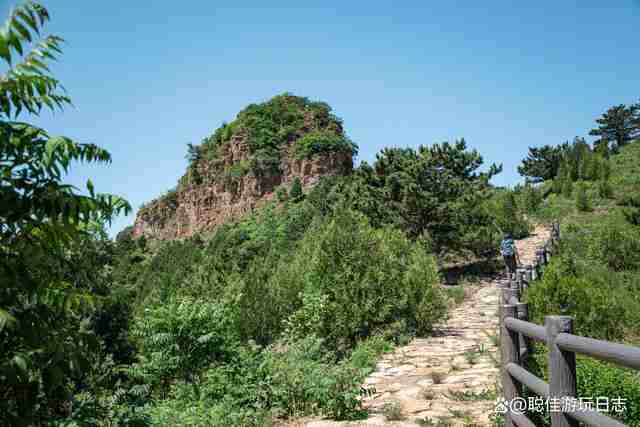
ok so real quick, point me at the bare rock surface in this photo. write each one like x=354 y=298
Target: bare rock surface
x=450 y=376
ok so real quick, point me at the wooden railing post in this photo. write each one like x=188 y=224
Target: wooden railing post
x=557 y=230
x=510 y=352
x=516 y=283
x=520 y=278
x=529 y=274
x=522 y=309
x=510 y=296
x=548 y=251
x=562 y=368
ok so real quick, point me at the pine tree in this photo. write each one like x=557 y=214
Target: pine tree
x=558 y=181
x=542 y=163
x=567 y=186
x=295 y=193
x=511 y=219
x=531 y=198
x=601 y=147
x=605 y=190
x=605 y=173
x=583 y=204
x=620 y=124
x=281 y=194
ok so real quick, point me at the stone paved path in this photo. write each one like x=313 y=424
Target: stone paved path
x=451 y=376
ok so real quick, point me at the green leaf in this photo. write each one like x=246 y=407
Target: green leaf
x=6 y=319
x=20 y=362
x=29 y=18
x=15 y=42
x=90 y=187
x=5 y=53
x=21 y=29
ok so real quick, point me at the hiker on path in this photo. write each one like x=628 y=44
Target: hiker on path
x=509 y=253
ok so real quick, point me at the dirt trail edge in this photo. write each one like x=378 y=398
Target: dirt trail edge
x=448 y=378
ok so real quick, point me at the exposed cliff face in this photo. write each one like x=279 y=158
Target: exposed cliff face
x=239 y=168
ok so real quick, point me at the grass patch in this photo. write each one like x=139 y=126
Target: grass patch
x=393 y=411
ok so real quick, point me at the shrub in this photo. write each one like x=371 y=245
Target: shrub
x=281 y=194
x=295 y=193
x=632 y=215
x=583 y=204
x=365 y=354
x=362 y=279
x=508 y=217
x=631 y=207
x=196 y=413
x=599 y=310
x=237 y=170
x=598 y=379
x=617 y=245
x=605 y=189
x=456 y=293
x=531 y=198
x=567 y=187
x=179 y=338
x=265 y=162
x=289 y=378
x=323 y=142
x=393 y=411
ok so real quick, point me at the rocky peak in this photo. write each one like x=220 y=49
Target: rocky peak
x=239 y=166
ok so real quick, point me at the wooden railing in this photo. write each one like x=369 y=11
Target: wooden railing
x=517 y=336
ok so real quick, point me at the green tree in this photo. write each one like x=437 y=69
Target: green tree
x=631 y=208
x=295 y=193
x=601 y=146
x=567 y=186
x=42 y=341
x=583 y=204
x=508 y=217
x=577 y=158
x=542 y=163
x=620 y=124
x=281 y=194
x=605 y=189
x=181 y=337
x=436 y=190
x=531 y=198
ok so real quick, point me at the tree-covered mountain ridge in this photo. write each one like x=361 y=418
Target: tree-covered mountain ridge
x=278 y=146
x=283 y=312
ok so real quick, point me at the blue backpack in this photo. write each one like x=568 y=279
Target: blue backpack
x=507 y=247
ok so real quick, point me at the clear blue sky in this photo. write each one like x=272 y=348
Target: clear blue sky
x=148 y=77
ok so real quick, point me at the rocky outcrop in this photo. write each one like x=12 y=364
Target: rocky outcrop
x=234 y=181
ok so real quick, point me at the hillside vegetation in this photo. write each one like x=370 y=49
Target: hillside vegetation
x=596 y=276
x=283 y=312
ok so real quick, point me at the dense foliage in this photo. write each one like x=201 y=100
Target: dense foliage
x=596 y=273
x=323 y=142
x=435 y=192
x=542 y=163
x=280 y=314
x=46 y=299
x=284 y=312
x=619 y=125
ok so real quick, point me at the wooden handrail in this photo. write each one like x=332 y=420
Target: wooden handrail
x=526 y=328
x=562 y=345
x=619 y=354
x=525 y=377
